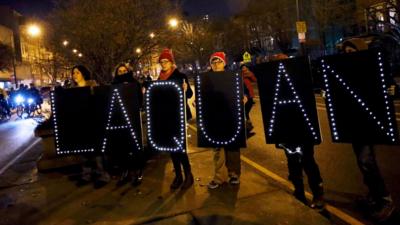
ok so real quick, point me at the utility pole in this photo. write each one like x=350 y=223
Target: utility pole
x=13 y=60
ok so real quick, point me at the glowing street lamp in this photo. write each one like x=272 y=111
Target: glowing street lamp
x=65 y=43
x=138 y=50
x=152 y=35
x=74 y=51
x=80 y=55
x=173 y=22
x=34 y=30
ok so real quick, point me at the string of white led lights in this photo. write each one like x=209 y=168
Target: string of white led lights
x=116 y=94
x=179 y=141
x=353 y=93
x=239 y=114
x=57 y=135
x=296 y=100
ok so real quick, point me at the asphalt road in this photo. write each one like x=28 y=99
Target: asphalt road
x=15 y=136
x=342 y=178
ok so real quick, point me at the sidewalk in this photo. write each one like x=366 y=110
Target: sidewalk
x=55 y=199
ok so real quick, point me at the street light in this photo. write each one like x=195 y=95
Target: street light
x=138 y=50
x=80 y=55
x=65 y=43
x=173 y=22
x=74 y=51
x=152 y=35
x=34 y=30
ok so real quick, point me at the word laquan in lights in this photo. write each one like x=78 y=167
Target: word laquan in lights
x=88 y=120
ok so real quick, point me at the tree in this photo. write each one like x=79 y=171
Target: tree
x=262 y=21
x=6 y=57
x=195 y=41
x=332 y=15
x=107 y=32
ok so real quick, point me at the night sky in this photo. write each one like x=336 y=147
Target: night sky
x=35 y=8
x=224 y=8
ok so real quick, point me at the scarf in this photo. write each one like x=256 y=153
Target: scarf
x=164 y=75
x=123 y=78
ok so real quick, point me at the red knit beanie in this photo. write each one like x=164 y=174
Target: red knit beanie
x=167 y=54
x=219 y=55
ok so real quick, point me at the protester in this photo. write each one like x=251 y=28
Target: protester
x=171 y=73
x=378 y=201
x=248 y=78
x=131 y=165
x=94 y=166
x=34 y=93
x=300 y=156
x=4 y=102
x=229 y=156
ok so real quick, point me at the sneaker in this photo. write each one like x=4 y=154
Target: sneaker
x=318 y=203
x=137 y=180
x=383 y=211
x=213 y=185
x=234 y=181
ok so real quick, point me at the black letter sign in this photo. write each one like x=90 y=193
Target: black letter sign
x=358 y=105
x=166 y=116
x=73 y=120
x=118 y=114
x=220 y=113
x=287 y=102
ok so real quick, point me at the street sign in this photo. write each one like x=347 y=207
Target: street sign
x=302 y=37
x=246 y=57
x=301 y=27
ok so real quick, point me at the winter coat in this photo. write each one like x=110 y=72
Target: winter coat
x=178 y=77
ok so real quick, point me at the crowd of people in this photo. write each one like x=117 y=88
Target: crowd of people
x=9 y=101
x=226 y=161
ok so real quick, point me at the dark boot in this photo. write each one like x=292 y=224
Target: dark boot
x=299 y=192
x=188 y=180
x=177 y=182
x=318 y=202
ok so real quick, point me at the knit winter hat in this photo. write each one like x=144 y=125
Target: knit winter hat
x=218 y=55
x=167 y=54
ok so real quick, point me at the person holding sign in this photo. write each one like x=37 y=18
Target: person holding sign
x=229 y=156
x=131 y=165
x=248 y=78
x=179 y=160
x=93 y=165
x=300 y=156
x=379 y=200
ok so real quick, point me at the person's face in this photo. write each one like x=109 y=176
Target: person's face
x=349 y=49
x=166 y=65
x=77 y=76
x=122 y=70
x=217 y=65
x=244 y=69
